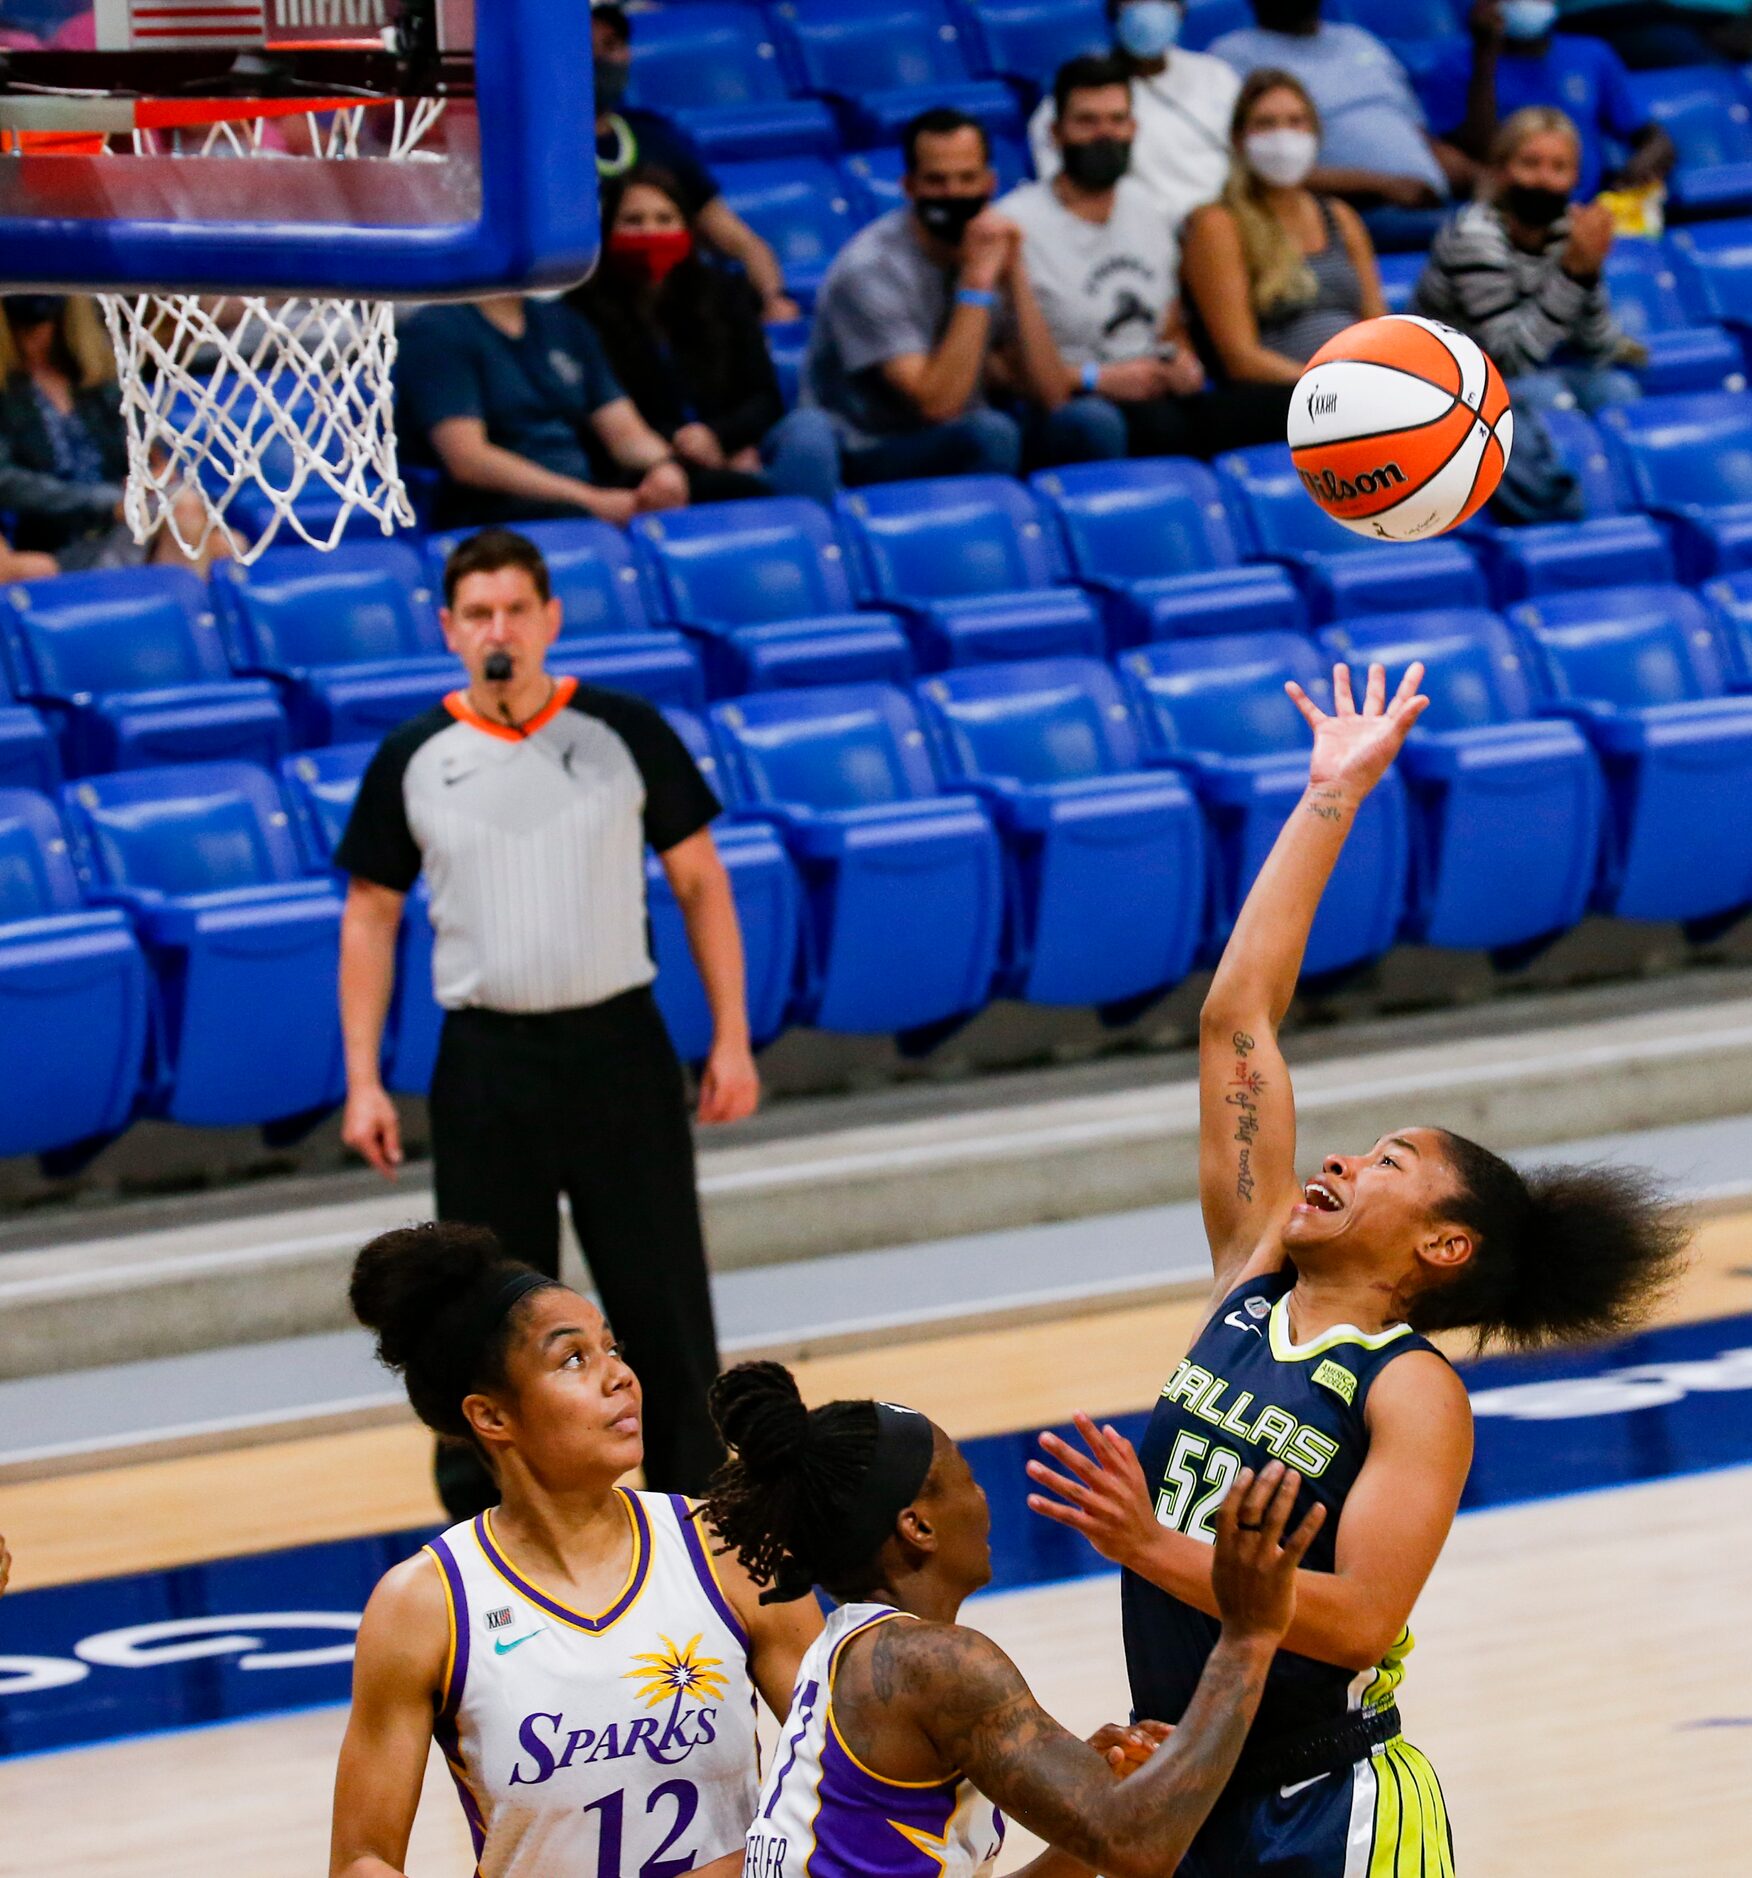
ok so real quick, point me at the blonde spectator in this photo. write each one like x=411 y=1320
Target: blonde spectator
x=1272 y=269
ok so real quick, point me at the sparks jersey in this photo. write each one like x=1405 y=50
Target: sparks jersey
x=614 y=1744
x=1244 y=1396
x=824 y=1814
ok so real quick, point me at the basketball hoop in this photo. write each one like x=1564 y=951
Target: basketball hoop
x=242 y=395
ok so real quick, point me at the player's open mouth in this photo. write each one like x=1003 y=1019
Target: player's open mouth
x=1321 y=1198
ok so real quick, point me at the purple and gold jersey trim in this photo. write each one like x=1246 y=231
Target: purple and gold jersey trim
x=456 y=1617
x=839 y=1740
x=629 y=1593
x=705 y=1568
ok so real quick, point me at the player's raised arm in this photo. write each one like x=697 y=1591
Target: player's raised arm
x=1247 y=1115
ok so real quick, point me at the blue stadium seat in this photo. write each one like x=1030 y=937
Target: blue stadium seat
x=972 y=566
x=1216 y=708
x=1713 y=265
x=244 y=946
x=1608 y=548
x=128 y=663
x=884 y=61
x=1107 y=869
x=763 y=586
x=1689 y=460
x=1400 y=274
x=74 y=992
x=1151 y=540
x=1648 y=304
x=769 y=909
x=903 y=884
x=1707 y=111
x=1641 y=669
x=877 y=177
x=1730 y=603
x=351 y=636
x=1208 y=20
x=1340 y=573
x=713 y=67
x=606 y=635
x=320 y=786
x=29 y=758
x=1415 y=21
x=802 y=207
x=1506 y=805
x=1028 y=40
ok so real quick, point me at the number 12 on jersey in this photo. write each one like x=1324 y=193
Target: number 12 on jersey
x=1194 y=1464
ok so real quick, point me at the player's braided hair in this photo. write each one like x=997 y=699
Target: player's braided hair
x=1560 y=1254
x=783 y=1495
x=424 y=1289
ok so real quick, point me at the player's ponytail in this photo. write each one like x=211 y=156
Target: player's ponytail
x=442 y=1298
x=1559 y=1255
x=809 y=1495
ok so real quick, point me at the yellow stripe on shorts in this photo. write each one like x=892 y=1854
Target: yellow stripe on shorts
x=1412 y=1839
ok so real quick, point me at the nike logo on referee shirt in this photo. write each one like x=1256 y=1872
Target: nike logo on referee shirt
x=503 y=1646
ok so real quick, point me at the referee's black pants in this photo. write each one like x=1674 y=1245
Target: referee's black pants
x=589 y=1103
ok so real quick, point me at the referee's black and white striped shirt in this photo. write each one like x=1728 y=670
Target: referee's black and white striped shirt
x=532 y=842
x=1520 y=307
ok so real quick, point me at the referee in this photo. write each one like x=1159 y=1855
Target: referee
x=528 y=801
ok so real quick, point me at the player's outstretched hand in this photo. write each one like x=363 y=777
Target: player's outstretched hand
x=1101 y=1494
x=1254 y=1571
x=1126 y=1747
x=1354 y=749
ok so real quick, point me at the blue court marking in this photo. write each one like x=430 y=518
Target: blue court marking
x=270 y=1633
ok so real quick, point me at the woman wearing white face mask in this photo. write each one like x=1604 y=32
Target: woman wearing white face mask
x=1272 y=270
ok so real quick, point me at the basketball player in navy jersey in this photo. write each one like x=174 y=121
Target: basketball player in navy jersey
x=584 y=1662
x=1313 y=1352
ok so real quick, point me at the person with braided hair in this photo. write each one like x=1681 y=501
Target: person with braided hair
x=586 y=1664
x=1314 y=1349
x=908 y=1730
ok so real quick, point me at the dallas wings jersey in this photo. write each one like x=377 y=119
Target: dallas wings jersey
x=1246 y=1395
x=824 y=1814
x=614 y=1743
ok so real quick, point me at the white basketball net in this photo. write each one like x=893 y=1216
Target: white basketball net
x=277 y=397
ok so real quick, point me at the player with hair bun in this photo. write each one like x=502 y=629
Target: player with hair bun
x=1313 y=1349
x=586 y=1666
x=908 y=1731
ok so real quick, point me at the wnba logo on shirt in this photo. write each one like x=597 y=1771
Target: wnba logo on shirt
x=666 y=1678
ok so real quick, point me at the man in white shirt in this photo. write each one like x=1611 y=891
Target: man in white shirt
x=1181 y=101
x=1105 y=268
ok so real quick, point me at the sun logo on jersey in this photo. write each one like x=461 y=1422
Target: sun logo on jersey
x=672 y=1672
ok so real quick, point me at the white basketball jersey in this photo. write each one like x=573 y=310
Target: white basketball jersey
x=613 y=1746
x=824 y=1814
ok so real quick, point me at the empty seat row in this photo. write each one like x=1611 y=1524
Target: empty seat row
x=1057 y=830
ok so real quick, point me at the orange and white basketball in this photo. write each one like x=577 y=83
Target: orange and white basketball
x=1400 y=428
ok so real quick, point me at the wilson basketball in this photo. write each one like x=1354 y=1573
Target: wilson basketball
x=1400 y=428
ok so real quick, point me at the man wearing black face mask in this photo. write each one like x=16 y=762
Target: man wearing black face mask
x=1105 y=267
x=920 y=308
x=627 y=136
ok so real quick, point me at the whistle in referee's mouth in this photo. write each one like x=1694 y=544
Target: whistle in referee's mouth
x=497 y=669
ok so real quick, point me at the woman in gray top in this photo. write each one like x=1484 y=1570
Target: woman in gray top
x=1520 y=271
x=1273 y=270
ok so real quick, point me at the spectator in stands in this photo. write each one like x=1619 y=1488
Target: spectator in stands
x=1276 y=268
x=1105 y=268
x=63 y=447
x=685 y=341
x=924 y=305
x=628 y=136
x=1520 y=271
x=1181 y=102
x=1525 y=63
x=512 y=399
x=1374 y=147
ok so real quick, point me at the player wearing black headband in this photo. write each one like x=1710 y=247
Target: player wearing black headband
x=585 y=1664
x=902 y=1719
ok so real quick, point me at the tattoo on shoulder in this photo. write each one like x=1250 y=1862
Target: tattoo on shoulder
x=1246 y=1087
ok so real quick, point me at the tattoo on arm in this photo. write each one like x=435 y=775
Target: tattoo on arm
x=1247 y=1085
x=1328 y=804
